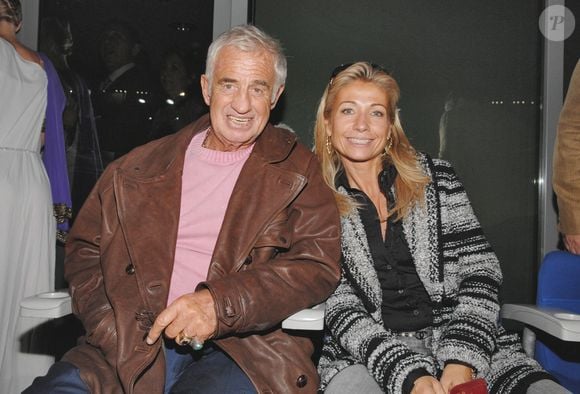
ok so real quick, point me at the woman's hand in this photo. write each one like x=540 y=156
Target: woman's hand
x=454 y=374
x=427 y=385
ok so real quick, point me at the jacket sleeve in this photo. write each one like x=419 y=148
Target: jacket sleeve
x=368 y=342
x=292 y=278
x=470 y=336
x=83 y=272
x=567 y=159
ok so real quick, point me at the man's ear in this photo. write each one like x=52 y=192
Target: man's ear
x=205 y=89
x=276 y=97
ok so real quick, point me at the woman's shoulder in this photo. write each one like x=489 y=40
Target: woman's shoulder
x=427 y=160
x=17 y=52
x=440 y=171
x=6 y=50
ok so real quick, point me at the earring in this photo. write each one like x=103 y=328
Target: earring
x=389 y=144
x=328 y=146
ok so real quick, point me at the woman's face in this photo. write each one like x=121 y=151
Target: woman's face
x=174 y=78
x=358 y=124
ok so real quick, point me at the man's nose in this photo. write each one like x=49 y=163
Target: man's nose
x=241 y=102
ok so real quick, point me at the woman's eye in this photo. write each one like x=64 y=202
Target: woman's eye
x=347 y=111
x=378 y=113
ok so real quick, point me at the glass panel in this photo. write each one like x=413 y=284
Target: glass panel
x=469 y=71
x=572 y=43
x=141 y=61
x=130 y=71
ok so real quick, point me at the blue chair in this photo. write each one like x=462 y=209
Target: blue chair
x=555 y=318
x=559 y=287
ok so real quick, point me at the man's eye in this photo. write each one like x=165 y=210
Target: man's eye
x=258 y=91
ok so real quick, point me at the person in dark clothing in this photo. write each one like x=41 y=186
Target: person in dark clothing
x=179 y=77
x=125 y=100
x=83 y=153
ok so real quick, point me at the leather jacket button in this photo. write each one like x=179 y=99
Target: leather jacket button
x=130 y=269
x=248 y=260
x=301 y=381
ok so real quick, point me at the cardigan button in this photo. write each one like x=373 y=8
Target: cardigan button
x=130 y=269
x=301 y=381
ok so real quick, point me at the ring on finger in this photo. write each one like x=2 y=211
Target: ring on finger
x=182 y=339
x=196 y=345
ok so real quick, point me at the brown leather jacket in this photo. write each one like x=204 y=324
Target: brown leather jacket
x=277 y=252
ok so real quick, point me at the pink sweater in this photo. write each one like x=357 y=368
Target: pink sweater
x=208 y=179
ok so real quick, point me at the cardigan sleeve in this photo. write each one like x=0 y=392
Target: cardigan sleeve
x=369 y=343
x=470 y=335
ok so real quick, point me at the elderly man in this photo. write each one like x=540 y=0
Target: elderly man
x=209 y=237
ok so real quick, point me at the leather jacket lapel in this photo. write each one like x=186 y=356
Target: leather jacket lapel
x=255 y=200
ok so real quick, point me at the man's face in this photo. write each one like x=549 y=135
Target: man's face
x=240 y=97
x=116 y=49
x=174 y=76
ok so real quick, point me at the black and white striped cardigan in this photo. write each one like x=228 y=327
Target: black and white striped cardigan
x=462 y=276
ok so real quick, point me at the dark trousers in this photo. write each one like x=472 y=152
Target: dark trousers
x=209 y=371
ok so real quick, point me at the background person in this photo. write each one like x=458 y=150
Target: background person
x=83 y=154
x=126 y=98
x=182 y=102
x=417 y=306
x=27 y=227
x=566 y=178
x=212 y=236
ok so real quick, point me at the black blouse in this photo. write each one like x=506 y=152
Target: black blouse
x=406 y=305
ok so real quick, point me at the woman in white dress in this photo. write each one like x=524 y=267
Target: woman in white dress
x=27 y=225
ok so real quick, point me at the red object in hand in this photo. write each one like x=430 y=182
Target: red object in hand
x=476 y=386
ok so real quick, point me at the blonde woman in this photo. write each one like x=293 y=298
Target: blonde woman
x=417 y=306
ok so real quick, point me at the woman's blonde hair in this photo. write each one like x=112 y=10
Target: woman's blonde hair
x=11 y=11
x=411 y=180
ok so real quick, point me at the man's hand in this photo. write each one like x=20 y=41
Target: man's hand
x=427 y=385
x=193 y=314
x=454 y=374
x=572 y=243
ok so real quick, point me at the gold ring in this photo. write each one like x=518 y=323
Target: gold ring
x=182 y=339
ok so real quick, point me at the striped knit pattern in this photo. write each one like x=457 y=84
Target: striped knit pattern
x=462 y=276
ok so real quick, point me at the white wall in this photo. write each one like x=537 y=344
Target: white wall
x=229 y=13
x=28 y=35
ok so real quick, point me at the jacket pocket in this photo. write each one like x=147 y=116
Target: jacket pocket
x=277 y=234
x=104 y=337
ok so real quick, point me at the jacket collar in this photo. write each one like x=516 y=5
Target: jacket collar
x=159 y=157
